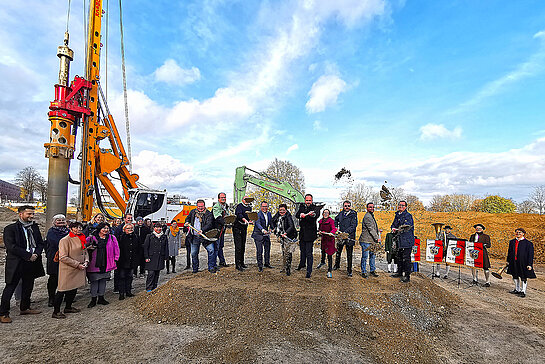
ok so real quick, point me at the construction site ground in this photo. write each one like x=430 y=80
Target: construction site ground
x=247 y=317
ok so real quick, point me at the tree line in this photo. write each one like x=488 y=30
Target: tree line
x=30 y=182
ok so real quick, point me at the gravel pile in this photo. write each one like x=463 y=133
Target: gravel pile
x=249 y=315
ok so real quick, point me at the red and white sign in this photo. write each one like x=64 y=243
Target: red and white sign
x=434 y=251
x=415 y=252
x=474 y=254
x=456 y=251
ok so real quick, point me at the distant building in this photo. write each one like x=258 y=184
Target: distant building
x=9 y=192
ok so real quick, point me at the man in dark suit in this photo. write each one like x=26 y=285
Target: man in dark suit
x=240 y=228
x=307 y=214
x=24 y=248
x=261 y=236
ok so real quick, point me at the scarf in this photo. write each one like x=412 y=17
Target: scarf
x=62 y=230
x=157 y=235
x=81 y=239
x=27 y=226
x=174 y=232
x=100 y=261
x=200 y=215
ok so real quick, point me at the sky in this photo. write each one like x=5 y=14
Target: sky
x=435 y=97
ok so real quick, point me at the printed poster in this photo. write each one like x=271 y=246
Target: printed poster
x=434 y=250
x=456 y=251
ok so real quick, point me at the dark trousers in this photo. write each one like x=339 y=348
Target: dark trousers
x=152 y=279
x=188 y=256
x=218 y=246
x=69 y=299
x=172 y=261
x=52 y=283
x=141 y=263
x=306 y=258
x=322 y=261
x=329 y=263
x=125 y=280
x=24 y=274
x=349 y=252
x=116 y=280
x=263 y=245
x=239 y=236
x=404 y=260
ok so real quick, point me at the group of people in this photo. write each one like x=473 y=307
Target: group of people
x=77 y=254
x=520 y=257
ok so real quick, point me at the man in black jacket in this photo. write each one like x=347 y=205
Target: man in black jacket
x=201 y=220
x=307 y=214
x=240 y=230
x=346 y=222
x=141 y=231
x=24 y=248
x=283 y=226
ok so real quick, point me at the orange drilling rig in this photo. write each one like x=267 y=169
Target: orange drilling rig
x=80 y=104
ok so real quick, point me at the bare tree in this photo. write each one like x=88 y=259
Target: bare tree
x=41 y=188
x=28 y=179
x=283 y=171
x=461 y=202
x=526 y=207
x=538 y=198
x=414 y=203
x=358 y=194
x=451 y=203
x=439 y=203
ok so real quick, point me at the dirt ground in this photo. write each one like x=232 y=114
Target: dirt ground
x=234 y=317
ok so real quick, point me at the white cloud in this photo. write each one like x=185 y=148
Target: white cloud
x=433 y=131
x=317 y=126
x=170 y=72
x=161 y=170
x=324 y=92
x=532 y=66
x=350 y=12
x=292 y=148
x=540 y=34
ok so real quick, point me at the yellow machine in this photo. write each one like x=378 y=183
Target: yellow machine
x=82 y=103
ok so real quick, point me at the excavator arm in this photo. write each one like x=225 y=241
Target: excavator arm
x=262 y=180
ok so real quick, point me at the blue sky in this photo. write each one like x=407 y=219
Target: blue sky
x=434 y=96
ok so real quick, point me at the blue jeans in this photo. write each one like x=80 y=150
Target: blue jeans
x=218 y=248
x=195 y=247
x=364 y=254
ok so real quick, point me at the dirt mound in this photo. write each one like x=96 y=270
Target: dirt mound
x=251 y=315
x=500 y=227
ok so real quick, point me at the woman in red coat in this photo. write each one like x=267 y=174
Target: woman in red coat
x=327 y=225
x=520 y=260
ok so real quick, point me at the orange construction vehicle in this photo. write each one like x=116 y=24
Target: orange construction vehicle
x=81 y=104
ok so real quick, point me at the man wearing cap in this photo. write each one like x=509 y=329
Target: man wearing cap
x=445 y=235
x=481 y=237
x=240 y=229
x=24 y=246
x=219 y=211
x=520 y=260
